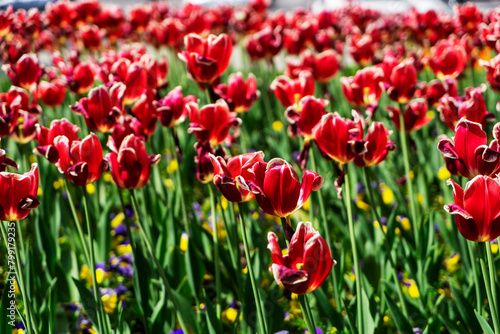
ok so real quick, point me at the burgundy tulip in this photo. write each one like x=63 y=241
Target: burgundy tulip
x=52 y=93
x=375 y=146
x=403 y=79
x=172 y=108
x=290 y=91
x=414 y=115
x=25 y=73
x=18 y=194
x=46 y=137
x=238 y=93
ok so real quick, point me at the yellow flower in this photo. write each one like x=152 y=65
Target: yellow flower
x=412 y=288
x=387 y=194
x=107 y=177
x=420 y=198
x=124 y=249
x=277 y=126
x=405 y=222
x=431 y=114
x=452 y=263
x=117 y=220
x=443 y=173
x=184 y=241
x=230 y=315
x=362 y=205
x=494 y=247
x=169 y=184
x=109 y=301
x=39 y=192
x=173 y=166
x=90 y=189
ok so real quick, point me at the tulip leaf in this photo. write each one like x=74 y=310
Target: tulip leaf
x=401 y=322
x=214 y=325
x=368 y=323
x=5 y=302
x=186 y=310
x=465 y=309
x=451 y=325
x=88 y=302
x=484 y=324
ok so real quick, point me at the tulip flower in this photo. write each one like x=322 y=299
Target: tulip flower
x=13 y=93
x=136 y=81
x=305 y=116
x=339 y=138
x=211 y=123
x=204 y=166
x=471 y=106
x=493 y=72
x=277 y=187
x=206 y=59
x=6 y=162
x=9 y=113
x=46 y=137
x=102 y=108
x=362 y=48
x=145 y=111
x=376 y=146
x=172 y=108
x=18 y=194
x=265 y=43
x=414 y=115
x=476 y=208
x=25 y=128
x=403 y=79
x=82 y=78
x=306 y=265
x=80 y=161
x=448 y=58
x=290 y=91
x=226 y=175
x=25 y=73
x=52 y=93
x=130 y=164
x=364 y=89
x=469 y=152
x=238 y=94
x=323 y=66
x=91 y=37
x=436 y=89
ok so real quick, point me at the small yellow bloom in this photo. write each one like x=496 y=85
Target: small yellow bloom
x=255 y=215
x=494 y=247
x=444 y=173
x=420 y=198
x=277 y=126
x=397 y=231
x=387 y=319
x=230 y=315
x=109 y=302
x=173 y=166
x=184 y=241
x=107 y=177
x=244 y=270
x=90 y=189
x=124 y=249
x=387 y=194
x=431 y=114
x=412 y=175
x=223 y=202
x=117 y=220
x=294 y=296
x=39 y=192
x=453 y=262
x=405 y=223
x=362 y=205
x=169 y=184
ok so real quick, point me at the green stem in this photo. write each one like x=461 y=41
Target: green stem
x=284 y=223
x=324 y=222
x=207 y=93
x=306 y=311
x=97 y=293
x=493 y=277
x=489 y=288
x=256 y=292
x=359 y=286
x=149 y=247
x=369 y=191
x=77 y=223
x=406 y=160
x=216 y=252
x=475 y=276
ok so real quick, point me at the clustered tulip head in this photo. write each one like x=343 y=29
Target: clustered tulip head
x=18 y=194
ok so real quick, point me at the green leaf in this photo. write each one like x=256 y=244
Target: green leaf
x=214 y=325
x=484 y=325
x=465 y=309
x=368 y=324
x=88 y=302
x=401 y=322
x=5 y=327
x=186 y=310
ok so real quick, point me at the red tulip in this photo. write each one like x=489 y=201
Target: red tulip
x=102 y=108
x=238 y=94
x=52 y=92
x=226 y=175
x=206 y=59
x=13 y=93
x=448 y=58
x=414 y=115
x=362 y=48
x=145 y=111
x=476 y=208
x=338 y=138
x=82 y=78
x=469 y=17
x=493 y=72
x=469 y=151
x=9 y=113
x=471 y=106
x=18 y=194
x=277 y=187
x=306 y=265
x=172 y=108
x=136 y=81
x=204 y=167
x=130 y=164
x=436 y=89
x=25 y=128
x=305 y=116
x=6 y=162
x=91 y=37
x=80 y=161
x=376 y=146
x=403 y=79
x=365 y=88
x=46 y=138
x=290 y=91
x=25 y=73
x=323 y=66
x=265 y=43
x=212 y=122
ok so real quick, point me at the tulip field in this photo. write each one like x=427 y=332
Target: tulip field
x=188 y=169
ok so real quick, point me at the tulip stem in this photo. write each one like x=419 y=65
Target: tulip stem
x=256 y=292
x=358 y=276
x=306 y=311
x=406 y=161
x=207 y=93
x=101 y=317
x=474 y=274
x=369 y=191
x=77 y=223
x=488 y=285
x=493 y=277
x=216 y=253
x=327 y=233
x=284 y=223
x=159 y=267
